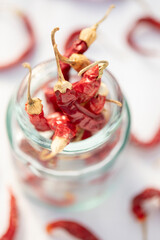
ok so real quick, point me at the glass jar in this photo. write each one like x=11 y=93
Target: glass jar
x=82 y=174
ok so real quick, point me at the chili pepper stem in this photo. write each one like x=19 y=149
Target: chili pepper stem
x=62 y=85
x=102 y=65
x=114 y=101
x=76 y=61
x=34 y=105
x=27 y=65
x=58 y=144
x=65 y=59
x=144 y=230
x=60 y=75
x=96 y=25
x=88 y=35
x=46 y=155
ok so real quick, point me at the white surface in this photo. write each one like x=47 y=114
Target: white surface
x=139 y=78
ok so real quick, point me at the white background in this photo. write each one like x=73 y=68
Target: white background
x=139 y=78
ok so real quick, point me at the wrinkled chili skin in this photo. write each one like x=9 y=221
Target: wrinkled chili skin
x=13 y=220
x=130 y=36
x=67 y=131
x=152 y=143
x=79 y=47
x=77 y=113
x=74 y=228
x=138 y=201
x=88 y=86
x=63 y=127
x=52 y=120
x=96 y=104
x=38 y=120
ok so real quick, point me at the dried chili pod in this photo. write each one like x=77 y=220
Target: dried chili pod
x=146 y=144
x=64 y=132
x=13 y=220
x=72 y=227
x=76 y=61
x=86 y=38
x=138 y=201
x=138 y=209
x=67 y=100
x=90 y=83
x=34 y=107
x=89 y=35
x=32 y=41
x=96 y=103
x=131 y=35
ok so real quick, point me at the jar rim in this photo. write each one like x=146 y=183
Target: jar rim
x=28 y=130
x=74 y=147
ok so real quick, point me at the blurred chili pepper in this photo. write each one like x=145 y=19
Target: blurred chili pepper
x=146 y=144
x=138 y=209
x=74 y=228
x=86 y=38
x=137 y=202
x=34 y=108
x=13 y=220
x=131 y=40
x=30 y=46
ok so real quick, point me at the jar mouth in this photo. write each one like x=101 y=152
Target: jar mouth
x=40 y=72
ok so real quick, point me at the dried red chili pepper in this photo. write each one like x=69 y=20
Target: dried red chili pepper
x=13 y=220
x=137 y=202
x=64 y=132
x=86 y=135
x=86 y=38
x=130 y=36
x=90 y=83
x=67 y=100
x=89 y=88
x=34 y=108
x=97 y=102
x=31 y=44
x=138 y=208
x=74 y=228
x=146 y=144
